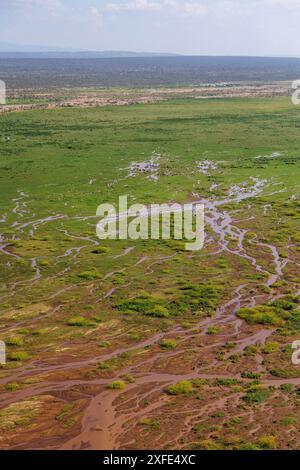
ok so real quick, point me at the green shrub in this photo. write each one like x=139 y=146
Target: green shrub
x=282 y=312
x=199 y=297
x=134 y=336
x=44 y=263
x=38 y=332
x=76 y=321
x=18 y=356
x=104 y=366
x=90 y=275
x=285 y=373
x=271 y=347
x=101 y=250
x=199 y=383
x=267 y=443
x=104 y=344
x=145 y=305
x=14 y=341
x=263 y=314
x=97 y=319
x=67 y=408
x=128 y=378
x=256 y=396
x=288 y=421
x=226 y=382
x=184 y=387
x=208 y=444
x=168 y=344
x=24 y=331
x=152 y=423
x=251 y=350
x=158 y=311
x=117 y=385
x=213 y=330
x=287 y=388
x=250 y=375
x=12 y=387
x=248 y=446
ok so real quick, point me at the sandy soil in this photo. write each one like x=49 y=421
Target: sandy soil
x=83 y=99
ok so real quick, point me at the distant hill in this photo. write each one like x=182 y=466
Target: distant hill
x=15 y=51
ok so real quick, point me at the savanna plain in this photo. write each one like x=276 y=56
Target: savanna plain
x=141 y=344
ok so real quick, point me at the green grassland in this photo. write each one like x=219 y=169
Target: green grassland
x=66 y=296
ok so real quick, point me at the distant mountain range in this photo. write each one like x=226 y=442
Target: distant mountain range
x=19 y=51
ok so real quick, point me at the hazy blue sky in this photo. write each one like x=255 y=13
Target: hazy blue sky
x=236 y=27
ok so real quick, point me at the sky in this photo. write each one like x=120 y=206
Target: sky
x=192 y=27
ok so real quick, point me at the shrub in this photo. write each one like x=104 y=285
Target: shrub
x=208 y=444
x=285 y=373
x=12 y=387
x=256 y=396
x=282 y=312
x=145 y=305
x=104 y=344
x=90 y=275
x=287 y=388
x=76 y=321
x=152 y=423
x=38 y=332
x=267 y=443
x=250 y=375
x=200 y=296
x=284 y=304
x=288 y=421
x=128 y=378
x=263 y=314
x=24 y=331
x=158 y=311
x=199 y=383
x=251 y=350
x=18 y=356
x=117 y=385
x=213 y=330
x=104 y=366
x=184 y=387
x=134 y=336
x=44 y=263
x=271 y=347
x=248 y=446
x=226 y=382
x=14 y=341
x=185 y=325
x=101 y=250
x=168 y=344
x=232 y=422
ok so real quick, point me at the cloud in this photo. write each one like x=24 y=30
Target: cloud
x=32 y=6
x=181 y=8
x=95 y=12
x=249 y=27
x=169 y=6
x=30 y=3
x=193 y=8
x=286 y=4
x=201 y=7
x=96 y=18
x=135 y=5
